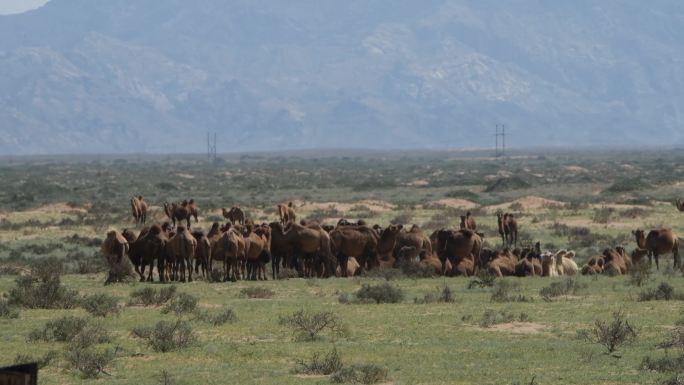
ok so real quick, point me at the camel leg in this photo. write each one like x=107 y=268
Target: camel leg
x=188 y=264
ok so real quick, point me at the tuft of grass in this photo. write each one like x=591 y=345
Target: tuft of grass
x=505 y=291
x=493 y=317
x=483 y=279
x=7 y=310
x=148 y=296
x=42 y=362
x=639 y=274
x=360 y=374
x=664 y=292
x=320 y=365
x=101 y=305
x=444 y=295
x=167 y=336
x=42 y=288
x=568 y=286
x=217 y=318
x=257 y=292
x=181 y=304
x=383 y=293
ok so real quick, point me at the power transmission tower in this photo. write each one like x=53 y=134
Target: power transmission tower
x=500 y=132
x=211 y=148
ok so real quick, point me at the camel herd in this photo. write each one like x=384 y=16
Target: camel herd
x=244 y=248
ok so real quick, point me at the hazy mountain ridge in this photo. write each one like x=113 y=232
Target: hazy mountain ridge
x=125 y=76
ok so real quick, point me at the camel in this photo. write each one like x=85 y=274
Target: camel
x=468 y=222
x=228 y=247
x=394 y=238
x=508 y=229
x=139 y=208
x=616 y=261
x=355 y=241
x=181 y=251
x=565 y=264
x=504 y=264
x=177 y=212
x=114 y=248
x=202 y=253
x=680 y=204
x=549 y=268
x=352 y=267
x=235 y=215
x=658 y=242
x=456 y=246
x=312 y=243
x=594 y=265
x=258 y=252
x=287 y=213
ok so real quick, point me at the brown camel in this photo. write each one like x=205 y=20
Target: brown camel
x=355 y=241
x=680 y=204
x=202 y=253
x=114 y=248
x=139 y=208
x=503 y=264
x=181 y=252
x=228 y=247
x=257 y=251
x=456 y=246
x=616 y=261
x=287 y=213
x=658 y=242
x=235 y=215
x=468 y=222
x=508 y=229
x=177 y=212
x=313 y=244
x=150 y=246
x=594 y=265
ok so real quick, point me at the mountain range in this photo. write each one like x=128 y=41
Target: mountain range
x=130 y=76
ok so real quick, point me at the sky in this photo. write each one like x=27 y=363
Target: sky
x=18 y=6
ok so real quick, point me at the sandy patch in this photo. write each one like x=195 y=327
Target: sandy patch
x=418 y=183
x=518 y=328
x=185 y=176
x=452 y=202
x=373 y=205
x=528 y=202
x=575 y=169
x=619 y=206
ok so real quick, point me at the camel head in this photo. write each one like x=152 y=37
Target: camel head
x=680 y=204
x=463 y=221
x=640 y=236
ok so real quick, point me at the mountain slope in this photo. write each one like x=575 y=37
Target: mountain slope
x=130 y=76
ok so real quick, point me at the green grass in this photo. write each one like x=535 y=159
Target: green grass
x=428 y=344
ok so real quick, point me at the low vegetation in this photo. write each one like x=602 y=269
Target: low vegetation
x=309 y=326
x=612 y=334
x=166 y=336
x=101 y=305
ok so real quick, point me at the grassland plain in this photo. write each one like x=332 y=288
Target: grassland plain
x=585 y=201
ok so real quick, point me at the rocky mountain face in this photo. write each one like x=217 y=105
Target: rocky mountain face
x=93 y=76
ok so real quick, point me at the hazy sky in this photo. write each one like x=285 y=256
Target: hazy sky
x=18 y=6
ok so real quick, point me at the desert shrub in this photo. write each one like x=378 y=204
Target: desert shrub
x=492 y=317
x=257 y=292
x=217 y=318
x=664 y=364
x=286 y=273
x=568 y=286
x=166 y=336
x=91 y=334
x=483 y=279
x=363 y=374
x=7 y=310
x=664 y=292
x=383 y=293
x=317 y=365
x=181 y=304
x=445 y=295
x=602 y=215
x=165 y=378
x=415 y=269
x=215 y=276
x=639 y=274
x=504 y=292
x=121 y=271
x=101 y=305
x=42 y=362
x=463 y=194
x=90 y=361
x=59 y=330
x=611 y=334
x=42 y=289
x=507 y=184
x=634 y=212
x=627 y=185
x=386 y=274
x=308 y=326
x=148 y=296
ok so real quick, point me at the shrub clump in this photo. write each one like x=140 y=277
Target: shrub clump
x=493 y=317
x=317 y=365
x=167 y=336
x=611 y=334
x=217 y=318
x=503 y=292
x=483 y=279
x=42 y=362
x=360 y=374
x=664 y=292
x=101 y=305
x=444 y=295
x=7 y=310
x=383 y=293
x=556 y=289
x=257 y=292
x=308 y=326
x=182 y=304
x=60 y=330
x=42 y=288
x=148 y=296
x=639 y=274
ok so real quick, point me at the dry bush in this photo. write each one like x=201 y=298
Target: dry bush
x=308 y=326
x=317 y=365
x=611 y=334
